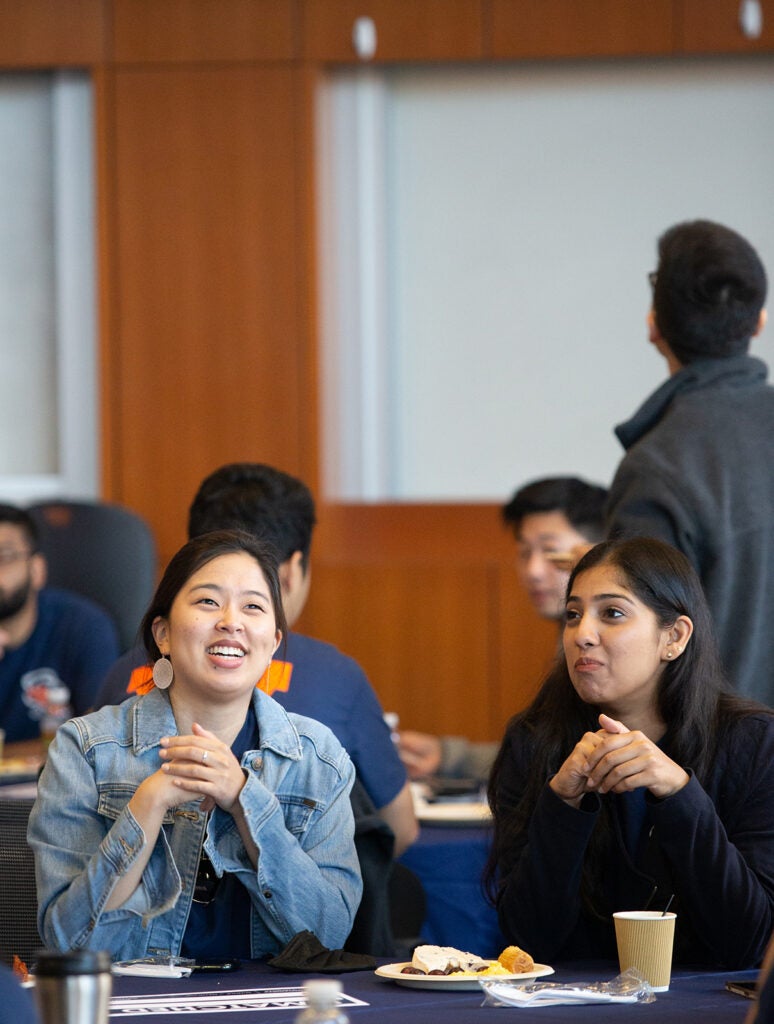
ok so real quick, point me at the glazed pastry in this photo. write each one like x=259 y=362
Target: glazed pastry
x=516 y=960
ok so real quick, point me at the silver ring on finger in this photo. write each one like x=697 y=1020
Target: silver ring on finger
x=205 y=754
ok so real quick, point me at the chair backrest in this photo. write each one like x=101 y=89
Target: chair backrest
x=408 y=905
x=102 y=551
x=18 y=896
x=374 y=842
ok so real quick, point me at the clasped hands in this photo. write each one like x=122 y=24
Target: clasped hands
x=199 y=764
x=616 y=760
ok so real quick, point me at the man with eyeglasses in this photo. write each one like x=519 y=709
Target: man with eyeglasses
x=55 y=647
x=699 y=465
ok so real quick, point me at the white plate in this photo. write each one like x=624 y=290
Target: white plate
x=451 y=981
x=453 y=813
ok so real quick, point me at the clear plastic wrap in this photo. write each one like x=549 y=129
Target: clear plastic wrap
x=629 y=987
x=156 y=967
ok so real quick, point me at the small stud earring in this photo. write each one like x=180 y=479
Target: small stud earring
x=668 y=654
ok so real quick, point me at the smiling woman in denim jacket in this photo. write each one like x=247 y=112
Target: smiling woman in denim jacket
x=199 y=819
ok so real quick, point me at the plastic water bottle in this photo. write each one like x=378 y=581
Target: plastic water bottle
x=322 y=996
x=57 y=711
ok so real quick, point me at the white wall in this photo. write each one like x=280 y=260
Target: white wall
x=48 y=378
x=500 y=290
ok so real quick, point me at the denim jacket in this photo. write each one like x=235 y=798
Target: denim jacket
x=295 y=800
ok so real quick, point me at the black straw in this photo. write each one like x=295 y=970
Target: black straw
x=669 y=904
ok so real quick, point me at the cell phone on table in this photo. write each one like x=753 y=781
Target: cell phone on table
x=215 y=966
x=743 y=988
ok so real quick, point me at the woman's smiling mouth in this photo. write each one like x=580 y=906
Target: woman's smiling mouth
x=226 y=650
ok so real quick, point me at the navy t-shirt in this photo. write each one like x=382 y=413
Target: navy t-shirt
x=221 y=929
x=60 y=664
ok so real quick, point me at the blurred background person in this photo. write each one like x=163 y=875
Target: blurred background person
x=697 y=472
x=55 y=647
x=554 y=521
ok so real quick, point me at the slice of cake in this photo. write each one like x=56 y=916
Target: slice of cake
x=445 y=959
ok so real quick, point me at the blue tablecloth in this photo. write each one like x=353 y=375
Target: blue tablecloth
x=449 y=863
x=227 y=999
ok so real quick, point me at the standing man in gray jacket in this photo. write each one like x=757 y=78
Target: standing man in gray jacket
x=699 y=465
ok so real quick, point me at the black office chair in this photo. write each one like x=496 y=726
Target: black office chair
x=374 y=841
x=102 y=551
x=408 y=904
x=18 y=896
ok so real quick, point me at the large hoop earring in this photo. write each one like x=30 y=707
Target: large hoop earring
x=163 y=673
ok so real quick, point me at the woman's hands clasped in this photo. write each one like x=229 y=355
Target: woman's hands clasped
x=196 y=765
x=615 y=760
x=201 y=764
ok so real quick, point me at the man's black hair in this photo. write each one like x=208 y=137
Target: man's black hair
x=709 y=289
x=265 y=502
x=583 y=504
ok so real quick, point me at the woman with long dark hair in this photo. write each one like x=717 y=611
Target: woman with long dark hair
x=636 y=776
x=200 y=818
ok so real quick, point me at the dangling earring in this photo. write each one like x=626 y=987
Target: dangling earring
x=163 y=673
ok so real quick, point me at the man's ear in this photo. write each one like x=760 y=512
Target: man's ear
x=38 y=571
x=657 y=339
x=763 y=316
x=160 y=630
x=654 y=334
x=291 y=573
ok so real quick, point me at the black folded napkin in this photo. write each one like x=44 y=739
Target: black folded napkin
x=305 y=954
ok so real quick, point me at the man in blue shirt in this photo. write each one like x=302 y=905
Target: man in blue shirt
x=308 y=677
x=55 y=647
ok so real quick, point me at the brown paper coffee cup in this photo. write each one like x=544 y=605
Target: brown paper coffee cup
x=645 y=939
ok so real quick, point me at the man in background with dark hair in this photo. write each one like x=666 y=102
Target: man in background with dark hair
x=699 y=465
x=315 y=679
x=55 y=646
x=554 y=522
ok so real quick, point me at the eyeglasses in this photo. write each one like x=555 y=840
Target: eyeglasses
x=652 y=278
x=8 y=555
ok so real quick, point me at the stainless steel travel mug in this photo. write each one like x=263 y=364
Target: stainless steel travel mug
x=74 y=987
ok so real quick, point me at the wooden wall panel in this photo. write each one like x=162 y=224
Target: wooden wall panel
x=580 y=28
x=421 y=633
x=202 y=30
x=438 y=532
x=427 y=599
x=205 y=351
x=51 y=33
x=527 y=646
x=712 y=26
x=406 y=30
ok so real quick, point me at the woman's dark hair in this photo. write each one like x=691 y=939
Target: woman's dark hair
x=694 y=700
x=197 y=553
